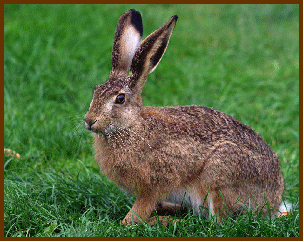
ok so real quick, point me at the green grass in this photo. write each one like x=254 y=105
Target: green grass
x=240 y=59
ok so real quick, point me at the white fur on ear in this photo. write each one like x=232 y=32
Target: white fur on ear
x=149 y=53
x=130 y=40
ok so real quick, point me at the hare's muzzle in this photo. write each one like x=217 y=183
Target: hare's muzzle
x=89 y=126
x=89 y=121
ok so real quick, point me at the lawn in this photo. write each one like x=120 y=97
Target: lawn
x=239 y=59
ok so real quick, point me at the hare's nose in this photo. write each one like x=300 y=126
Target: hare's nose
x=89 y=126
x=89 y=121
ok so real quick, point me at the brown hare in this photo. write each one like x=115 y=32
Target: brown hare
x=194 y=154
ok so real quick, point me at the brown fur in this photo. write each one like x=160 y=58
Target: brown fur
x=156 y=152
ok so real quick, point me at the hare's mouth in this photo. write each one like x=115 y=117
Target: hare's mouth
x=109 y=130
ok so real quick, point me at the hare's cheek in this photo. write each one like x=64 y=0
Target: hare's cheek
x=129 y=117
x=102 y=123
x=106 y=116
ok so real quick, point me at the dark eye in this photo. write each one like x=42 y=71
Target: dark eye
x=120 y=99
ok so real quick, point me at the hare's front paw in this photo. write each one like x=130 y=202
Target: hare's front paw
x=125 y=222
x=130 y=219
x=165 y=220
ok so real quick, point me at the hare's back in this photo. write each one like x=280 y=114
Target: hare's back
x=224 y=143
x=205 y=125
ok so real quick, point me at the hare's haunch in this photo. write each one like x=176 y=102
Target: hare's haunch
x=190 y=154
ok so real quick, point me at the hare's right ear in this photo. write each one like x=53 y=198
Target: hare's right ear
x=128 y=36
x=149 y=54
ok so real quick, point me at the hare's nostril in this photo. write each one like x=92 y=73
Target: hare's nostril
x=89 y=124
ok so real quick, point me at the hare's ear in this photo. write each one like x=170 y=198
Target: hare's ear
x=149 y=54
x=128 y=36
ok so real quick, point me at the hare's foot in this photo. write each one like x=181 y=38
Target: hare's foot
x=140 y=213
x=166 y=208
x=165 y=220
x=283 y=214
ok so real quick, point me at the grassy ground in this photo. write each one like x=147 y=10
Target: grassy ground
x=240 y=59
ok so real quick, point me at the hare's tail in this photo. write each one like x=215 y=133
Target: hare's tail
x=284 y=209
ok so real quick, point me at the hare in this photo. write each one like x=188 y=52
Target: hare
x=194 y=154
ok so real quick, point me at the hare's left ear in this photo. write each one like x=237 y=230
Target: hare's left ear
x=128 y=36
x=149 y=54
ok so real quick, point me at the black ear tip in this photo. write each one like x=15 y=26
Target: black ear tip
x=134 y=12
x=136 y=20
x=175 y=17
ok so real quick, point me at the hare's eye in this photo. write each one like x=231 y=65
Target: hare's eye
x=120 y=99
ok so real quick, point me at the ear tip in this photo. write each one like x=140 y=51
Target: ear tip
x=173 y=20
x=136 y=21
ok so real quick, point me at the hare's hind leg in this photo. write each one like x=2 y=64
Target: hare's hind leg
x=234 y=199
x=220 y=173
x=222 y=202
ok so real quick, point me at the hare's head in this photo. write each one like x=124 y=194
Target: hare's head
x=117 y=103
